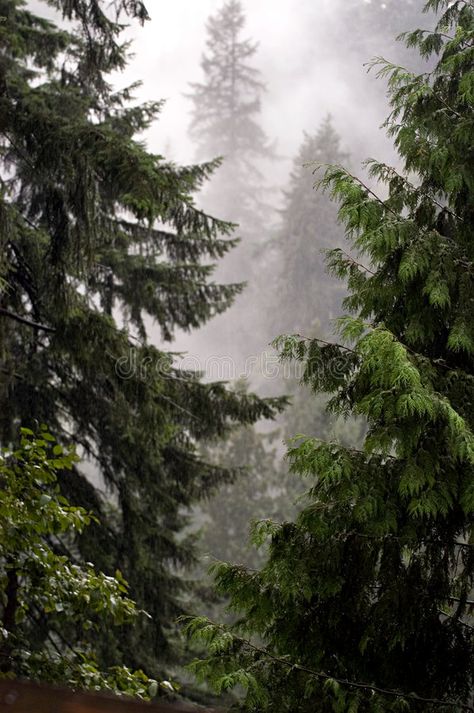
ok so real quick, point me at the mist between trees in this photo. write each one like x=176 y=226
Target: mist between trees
x=153 y=421
x=266 y=365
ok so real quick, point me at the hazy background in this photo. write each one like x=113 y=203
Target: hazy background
x=305 y=57
x=312 y=64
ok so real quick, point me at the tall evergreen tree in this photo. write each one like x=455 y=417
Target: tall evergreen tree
x=99 y=238
x=306 y=295
x=365 y=602
x=261 y=490
x=225 y=123
x=306 y=300
x=225 y=114
x=226 y=106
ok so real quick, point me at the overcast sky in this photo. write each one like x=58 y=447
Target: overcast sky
x=306 y=72
x=309 y=72
x=304 y=59
x=310 y=69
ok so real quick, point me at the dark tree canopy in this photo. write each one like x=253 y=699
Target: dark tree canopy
x=99 y=240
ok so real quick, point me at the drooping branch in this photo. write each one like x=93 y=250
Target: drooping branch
x=24 y=320
x=356 y=262
x=326 y=343
x=357 y=684
x=389 y=170
x=388 y=692
x=385 y=205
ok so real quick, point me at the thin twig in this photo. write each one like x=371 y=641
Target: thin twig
x=327 y=344
x=355 y=262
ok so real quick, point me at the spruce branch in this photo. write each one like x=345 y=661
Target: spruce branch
x=23 y=320
x=422 y=231
x=456 y=619
x=388 y=67
x=390 y=170
x=469 y=602
x=326 y=343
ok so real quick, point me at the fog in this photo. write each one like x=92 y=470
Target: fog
x=312 y=66
x=305 y=61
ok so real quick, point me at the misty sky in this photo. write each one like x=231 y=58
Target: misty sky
x=305 y=58
x=310 y=68
x=304 y=66
x=312 y=65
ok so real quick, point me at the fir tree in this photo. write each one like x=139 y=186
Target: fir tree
x=306 y=296
x=261 y=490
x=365 y=601
x=225 y=123
x=225 y=114
x=99 y=238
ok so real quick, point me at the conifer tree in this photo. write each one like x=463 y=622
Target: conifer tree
x=261 y=490
x=306 y=299
x=307 y=296
x=99 y=237
x=225 y=124
x=225 y=114
x=365 y=601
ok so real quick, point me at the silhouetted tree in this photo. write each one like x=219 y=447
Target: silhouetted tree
x=306 y=296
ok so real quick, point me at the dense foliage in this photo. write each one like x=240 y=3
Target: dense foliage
x=99 y=240
x=48 y=598
x=365 y=601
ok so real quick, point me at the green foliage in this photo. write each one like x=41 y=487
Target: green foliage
x=100 y=239
x=51 y=604
x=365 y=599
